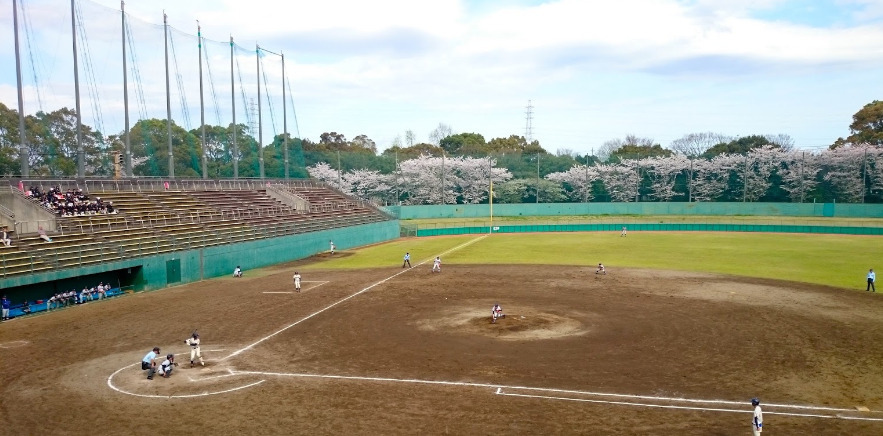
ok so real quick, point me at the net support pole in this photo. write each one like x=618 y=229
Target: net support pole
x=127 y=170
x=202 y=104
x=257 y=52
x=81 y=155
x=165 y=26
x=23 y=147
x=284 y=120
x=234 y=151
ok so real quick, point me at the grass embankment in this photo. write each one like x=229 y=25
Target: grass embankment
x=834 y=260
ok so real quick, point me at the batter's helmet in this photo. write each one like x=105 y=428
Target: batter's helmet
x=755 y=401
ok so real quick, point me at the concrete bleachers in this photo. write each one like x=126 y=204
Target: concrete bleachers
x=159 y=220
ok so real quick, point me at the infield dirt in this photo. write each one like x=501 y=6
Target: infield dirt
x=363 y=366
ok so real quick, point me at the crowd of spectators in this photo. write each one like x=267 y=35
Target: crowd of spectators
x=73 y=297
x=72 y=202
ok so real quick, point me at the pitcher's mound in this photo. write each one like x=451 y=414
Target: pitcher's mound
x=527 y=324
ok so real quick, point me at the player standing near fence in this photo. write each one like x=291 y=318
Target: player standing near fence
x=625 y=232
x=193 y=342
x=332 y=246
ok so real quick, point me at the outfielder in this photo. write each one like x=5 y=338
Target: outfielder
x=296 y=281
x=757 y=420
x=436 y=264
x=193 y=342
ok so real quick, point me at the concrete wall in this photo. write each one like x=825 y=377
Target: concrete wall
x=152 y=272
x=27 y=214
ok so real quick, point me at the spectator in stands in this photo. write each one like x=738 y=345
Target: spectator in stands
x=237 y=272
x=4 y=238
x=43 y=234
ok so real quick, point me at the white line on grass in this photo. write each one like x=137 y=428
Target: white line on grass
x=366 y=289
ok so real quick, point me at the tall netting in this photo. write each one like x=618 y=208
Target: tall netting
x=152 y=146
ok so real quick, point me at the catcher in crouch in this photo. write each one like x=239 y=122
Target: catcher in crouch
x=496 y=312
x=165 y=368
x=193 y=342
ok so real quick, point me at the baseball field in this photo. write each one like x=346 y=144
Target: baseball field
x=677 y=337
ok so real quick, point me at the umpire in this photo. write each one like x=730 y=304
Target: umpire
x=149 y=362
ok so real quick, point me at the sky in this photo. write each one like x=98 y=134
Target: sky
x=586 y=71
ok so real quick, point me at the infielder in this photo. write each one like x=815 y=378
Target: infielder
x=872 y=277
x=436 y=264
x=149 y=362
x=296 y=281
x=407 y=260
x=193 y=342
x=601 y=269
x=496 y=312
x=757 y=420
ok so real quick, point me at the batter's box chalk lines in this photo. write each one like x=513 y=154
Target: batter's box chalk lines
x=366 y=289
x=111 y=385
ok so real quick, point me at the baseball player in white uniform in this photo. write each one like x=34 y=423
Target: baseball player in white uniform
x=757 y=420
x=496 y=312
x=165 y=368
x=436 y=264
x=193 y=342
x=296 y=281
x=332 y=246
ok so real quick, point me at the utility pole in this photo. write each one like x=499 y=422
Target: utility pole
x=257 y=52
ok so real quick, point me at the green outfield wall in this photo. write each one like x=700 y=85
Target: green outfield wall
x=161 y=270
x=685 y=227
x=841 y=210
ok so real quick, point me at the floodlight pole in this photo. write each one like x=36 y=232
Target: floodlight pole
x=284 y=119
x=257 y=52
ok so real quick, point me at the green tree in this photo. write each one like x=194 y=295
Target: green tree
x=463 y=144
x=866 y=127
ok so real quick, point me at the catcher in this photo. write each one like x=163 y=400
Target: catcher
x=193 y=342
x=165 y=368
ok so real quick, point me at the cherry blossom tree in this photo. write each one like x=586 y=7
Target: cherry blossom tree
x=712 y=176
x=370 y=184
x=579 y=179
x=799 y=172
x=759 y=164
x=620 y=180
x=845 y=172
x=322 y=171
x=662 y=172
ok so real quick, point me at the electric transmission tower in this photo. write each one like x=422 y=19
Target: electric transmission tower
x=528 y=126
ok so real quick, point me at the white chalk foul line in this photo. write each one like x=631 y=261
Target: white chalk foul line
x=499 y=391
x=366 y=289
x=203 y=394
x=671 y=406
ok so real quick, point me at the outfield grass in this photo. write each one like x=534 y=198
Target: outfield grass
x=834 y=260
